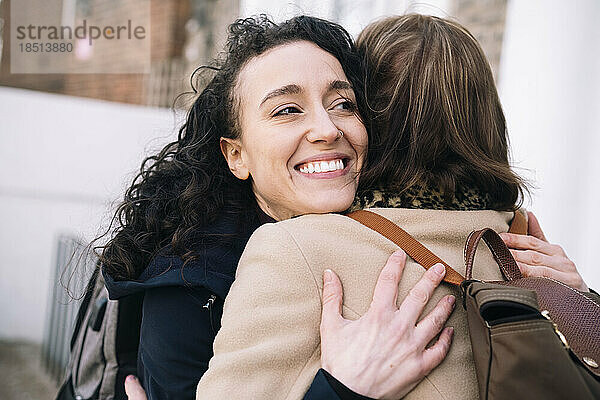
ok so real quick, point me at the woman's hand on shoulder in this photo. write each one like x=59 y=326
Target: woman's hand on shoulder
x=384 y=354
x=536 y=257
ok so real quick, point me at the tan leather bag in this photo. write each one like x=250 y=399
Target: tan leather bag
x=522 y=349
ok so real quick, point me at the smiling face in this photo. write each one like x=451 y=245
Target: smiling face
x=294 y=100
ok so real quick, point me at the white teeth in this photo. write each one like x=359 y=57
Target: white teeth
x=321 y=166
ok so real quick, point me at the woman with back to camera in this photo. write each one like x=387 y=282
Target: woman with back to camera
x=438 y=167
x=284 y=97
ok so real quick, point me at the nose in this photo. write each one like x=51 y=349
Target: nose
x=322 y=128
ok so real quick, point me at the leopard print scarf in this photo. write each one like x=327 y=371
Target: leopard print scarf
x=422 y=198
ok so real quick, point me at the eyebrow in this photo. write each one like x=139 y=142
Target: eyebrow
x=295 y=89
x=340 y=85
x=282 y=91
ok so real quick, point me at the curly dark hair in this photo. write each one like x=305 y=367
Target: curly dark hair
x=188 y=185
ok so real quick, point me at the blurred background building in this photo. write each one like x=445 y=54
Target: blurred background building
x=188 y=33
x=71 y=142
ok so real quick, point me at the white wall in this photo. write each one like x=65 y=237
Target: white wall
x=550 y=88
x=63 y=161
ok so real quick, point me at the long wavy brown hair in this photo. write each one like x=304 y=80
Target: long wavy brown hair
x=437 y=118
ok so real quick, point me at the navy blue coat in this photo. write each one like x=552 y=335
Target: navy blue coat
x=181 y=316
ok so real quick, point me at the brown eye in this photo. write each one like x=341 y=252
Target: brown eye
x=287 y=111
x=345 y=105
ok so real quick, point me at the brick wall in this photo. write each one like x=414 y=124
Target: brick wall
x=168 y=19
x=188 y=33
x=207 y=33
x=44 y=82
x=485 y=19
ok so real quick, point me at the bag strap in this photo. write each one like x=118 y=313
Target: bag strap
x=405 y=241
x=415 y=249
x=501 y=253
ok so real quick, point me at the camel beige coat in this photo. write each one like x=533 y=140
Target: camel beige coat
x=268 y=345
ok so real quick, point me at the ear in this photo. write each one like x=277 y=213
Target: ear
x=232 y=151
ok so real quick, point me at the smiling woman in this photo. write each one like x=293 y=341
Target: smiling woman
x=276 y=133
x=303 y=142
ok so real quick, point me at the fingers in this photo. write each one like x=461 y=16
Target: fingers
x=433 y=322
x=531 y=257
x=534 y=228
x=526 y=242
x=134 y=389
x=413 y=305
x=538 y=258
x=433 y=356
x=572 y=279
x=539 y=271
x=332 y=301
x=386 y=289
